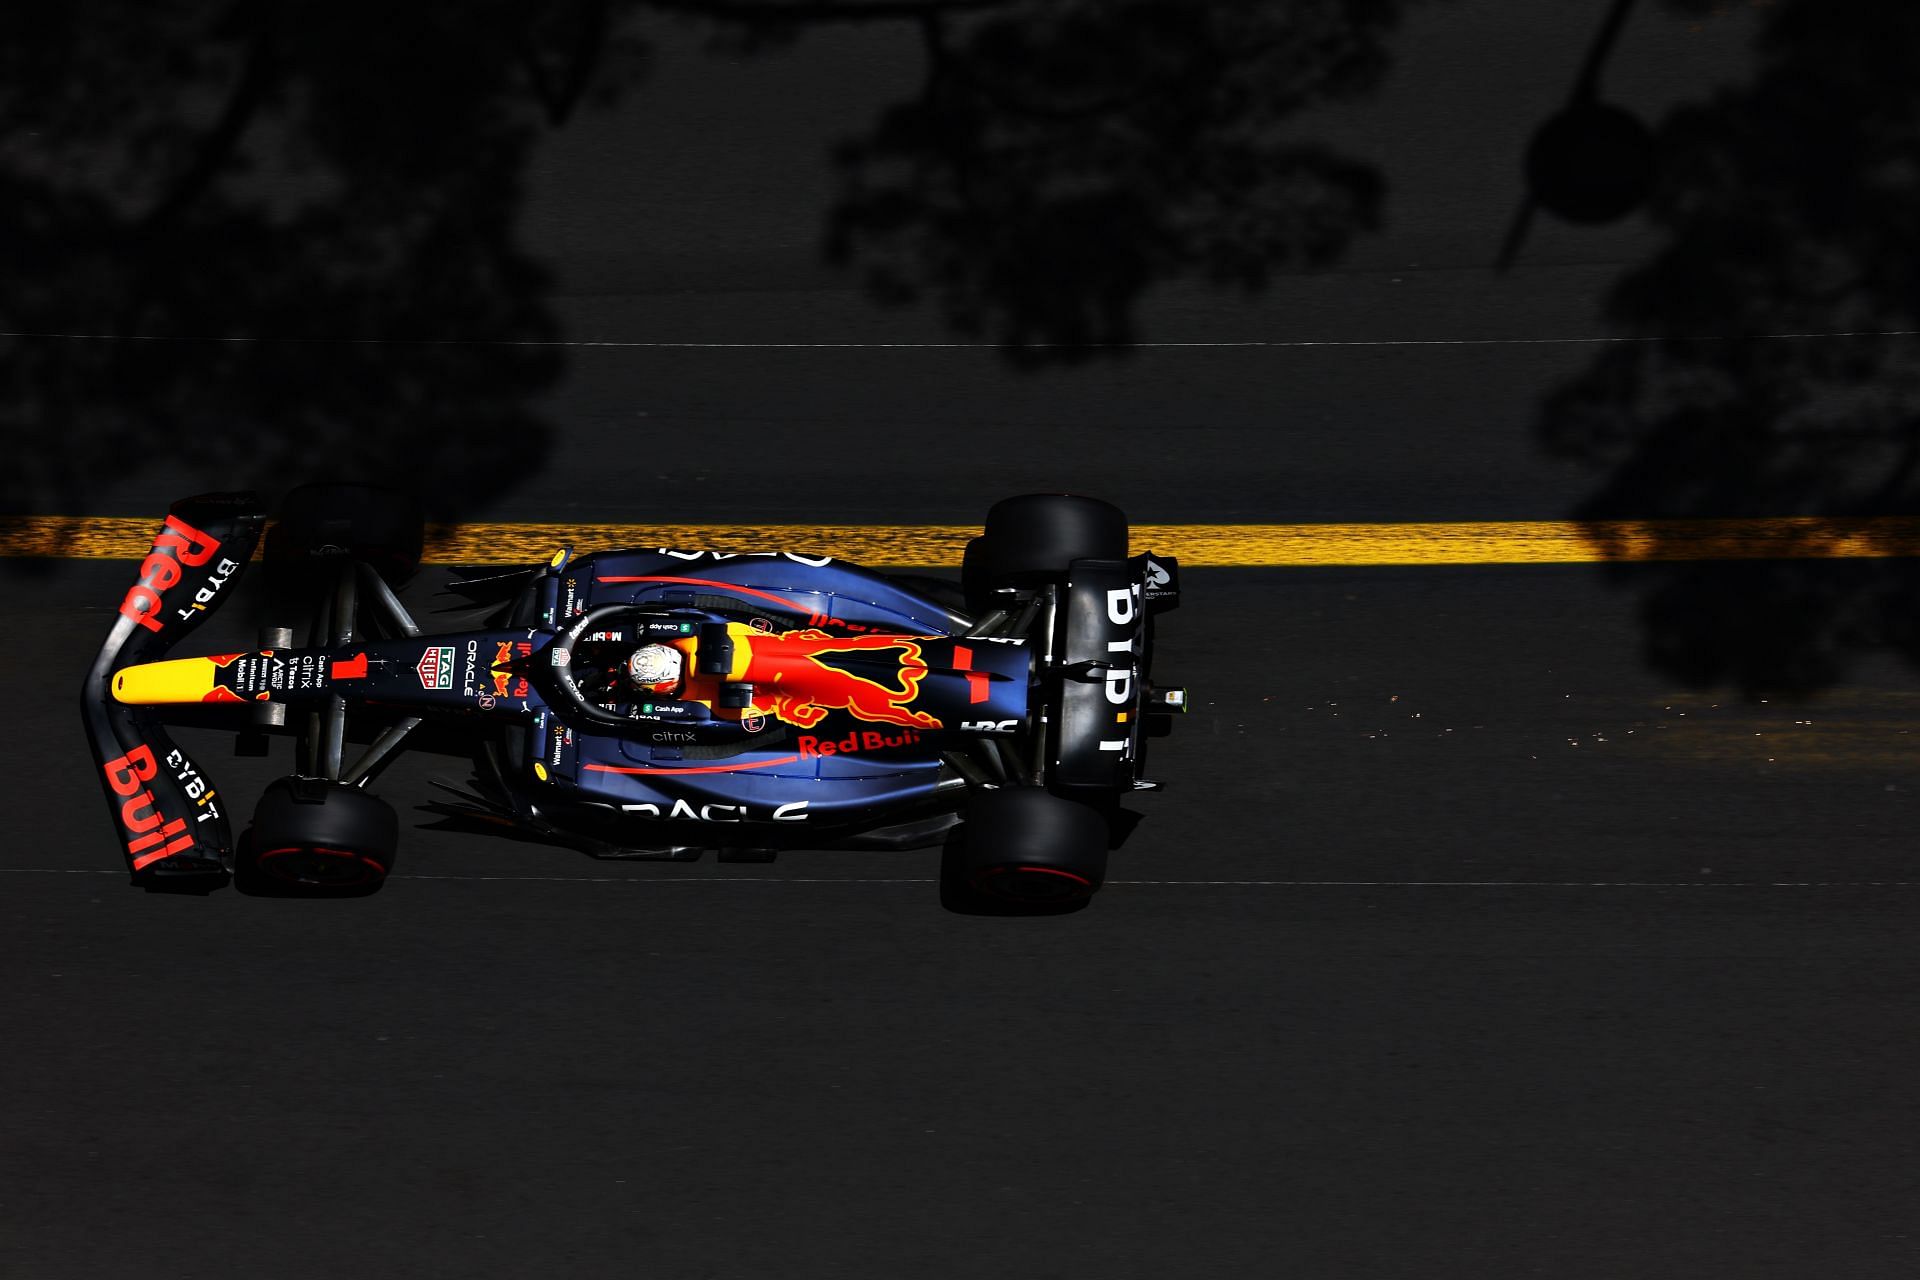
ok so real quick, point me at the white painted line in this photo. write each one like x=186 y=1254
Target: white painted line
x=1203 y=884
x=638 y=879
x=959 y=346
x=1541 y=884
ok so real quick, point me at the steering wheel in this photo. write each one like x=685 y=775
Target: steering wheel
x=562 y=657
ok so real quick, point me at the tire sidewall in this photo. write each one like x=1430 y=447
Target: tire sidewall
x=308 y=823
x=383 y=527
x=1033 y=539
x=1026 y=847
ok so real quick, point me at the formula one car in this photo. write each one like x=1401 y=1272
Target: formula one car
x=647 y=703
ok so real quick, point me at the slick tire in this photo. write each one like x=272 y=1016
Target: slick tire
x=1025 y=851
x=1033 y=538
x=312 y=838
x=318 y=522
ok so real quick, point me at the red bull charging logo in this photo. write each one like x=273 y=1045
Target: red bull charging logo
x=507 y=683
x=801 y=676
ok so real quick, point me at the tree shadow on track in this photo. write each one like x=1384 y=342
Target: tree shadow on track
x=273 y=241
x=1789 y=206
x=268 y=241
x=1064 y=157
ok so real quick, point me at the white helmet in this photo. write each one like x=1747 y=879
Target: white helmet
x=654 y=664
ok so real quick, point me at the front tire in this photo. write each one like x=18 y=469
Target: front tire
x=383 y=527
x=313 y=838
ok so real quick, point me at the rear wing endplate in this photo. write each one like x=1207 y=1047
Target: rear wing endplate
x=1105 y=651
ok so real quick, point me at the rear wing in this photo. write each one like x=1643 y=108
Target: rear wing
x=172 y=825
x=1105 y=647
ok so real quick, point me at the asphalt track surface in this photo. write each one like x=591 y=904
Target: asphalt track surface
x=1462 y=941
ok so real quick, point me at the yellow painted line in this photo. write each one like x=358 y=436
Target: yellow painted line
x=1196 y=545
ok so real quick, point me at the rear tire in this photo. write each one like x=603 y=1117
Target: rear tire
x=318 y=522
x=1025 y=851
x=313 y=838
x=1033 y=538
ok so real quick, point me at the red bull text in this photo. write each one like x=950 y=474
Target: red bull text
x=178 y=543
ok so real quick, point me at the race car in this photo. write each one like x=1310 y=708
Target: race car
x=645 y=703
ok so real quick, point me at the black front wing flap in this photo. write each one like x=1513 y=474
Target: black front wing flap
x=172 y=824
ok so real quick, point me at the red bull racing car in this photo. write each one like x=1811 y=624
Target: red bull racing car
x=646 y=703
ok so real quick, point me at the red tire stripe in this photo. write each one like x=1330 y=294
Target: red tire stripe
x=985 y=878
x=331 y=853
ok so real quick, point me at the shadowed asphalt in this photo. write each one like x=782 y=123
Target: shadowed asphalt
x=1675 y=1047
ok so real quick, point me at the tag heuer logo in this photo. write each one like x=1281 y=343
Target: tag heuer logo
x=436 y=669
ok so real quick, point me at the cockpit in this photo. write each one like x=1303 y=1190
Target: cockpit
x=615 y=673
x=628 y=668
x=618 y=665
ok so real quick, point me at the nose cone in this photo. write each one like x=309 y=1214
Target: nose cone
x=173 y=681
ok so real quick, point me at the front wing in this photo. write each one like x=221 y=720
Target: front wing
x=172 y=823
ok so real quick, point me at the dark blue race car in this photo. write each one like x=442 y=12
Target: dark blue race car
x=647 y=703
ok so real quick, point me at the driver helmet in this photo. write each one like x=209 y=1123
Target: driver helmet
x=653 y=664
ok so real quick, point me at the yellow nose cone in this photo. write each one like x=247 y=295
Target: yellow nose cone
x=176 y=680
